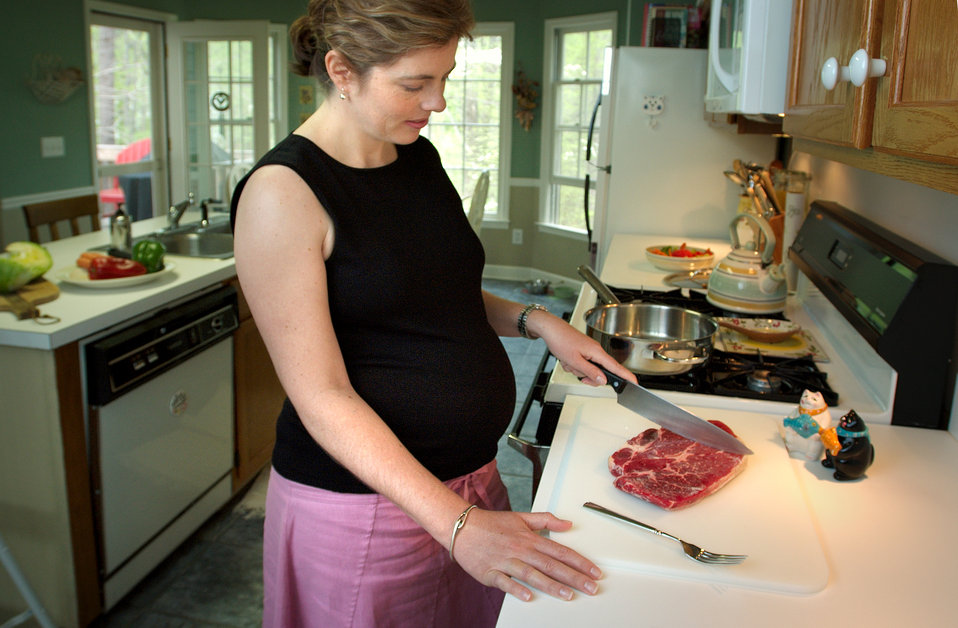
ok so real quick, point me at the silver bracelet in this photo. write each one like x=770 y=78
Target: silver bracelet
x=524 y=316
x=461 y=521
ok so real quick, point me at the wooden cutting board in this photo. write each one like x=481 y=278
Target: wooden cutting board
x=762 y=512
x=23 y=302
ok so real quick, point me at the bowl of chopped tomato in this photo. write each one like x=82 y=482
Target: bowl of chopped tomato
x=679 y=257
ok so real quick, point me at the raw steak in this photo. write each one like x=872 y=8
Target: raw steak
x=672 y=471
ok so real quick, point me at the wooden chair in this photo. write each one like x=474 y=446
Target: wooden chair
x=69 y=209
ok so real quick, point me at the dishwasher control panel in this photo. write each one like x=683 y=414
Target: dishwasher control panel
x=121 y=361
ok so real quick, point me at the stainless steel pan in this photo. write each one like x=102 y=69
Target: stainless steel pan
x=647 y=338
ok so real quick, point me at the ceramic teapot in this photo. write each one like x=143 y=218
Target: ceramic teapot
x=746 y=281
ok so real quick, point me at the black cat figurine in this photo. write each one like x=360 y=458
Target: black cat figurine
x=849 y=449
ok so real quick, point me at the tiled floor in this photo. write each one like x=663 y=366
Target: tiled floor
x=215 y=577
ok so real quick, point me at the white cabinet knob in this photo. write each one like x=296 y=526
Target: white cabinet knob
x=833 y=74
x=861 y=67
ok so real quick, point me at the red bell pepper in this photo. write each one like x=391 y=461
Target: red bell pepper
x=109 y=267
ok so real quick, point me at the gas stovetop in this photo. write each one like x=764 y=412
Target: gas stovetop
x=730 y=374
x=748 y=376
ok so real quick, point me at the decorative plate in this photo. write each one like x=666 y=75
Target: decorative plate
x=78 y=277
x=800 y=345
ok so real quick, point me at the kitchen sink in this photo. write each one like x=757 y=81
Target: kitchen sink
x=214 y=239
x=197 y=243
x=192 y=240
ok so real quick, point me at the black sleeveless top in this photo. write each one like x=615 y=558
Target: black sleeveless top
x=404 y=283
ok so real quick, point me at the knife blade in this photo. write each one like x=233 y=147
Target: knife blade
x=665 y=413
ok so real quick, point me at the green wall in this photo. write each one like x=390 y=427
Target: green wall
x=57 y=27
x=26 y=30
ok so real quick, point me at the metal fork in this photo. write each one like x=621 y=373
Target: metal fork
x=692 y=551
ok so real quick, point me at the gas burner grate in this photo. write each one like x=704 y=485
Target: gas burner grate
x=760 y=377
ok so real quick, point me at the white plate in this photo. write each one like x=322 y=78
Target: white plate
x=668 y=262
x=78 y=277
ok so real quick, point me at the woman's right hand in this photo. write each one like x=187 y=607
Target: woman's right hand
x=505 y=549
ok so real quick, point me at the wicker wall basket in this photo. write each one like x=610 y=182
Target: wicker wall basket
x=50 y=82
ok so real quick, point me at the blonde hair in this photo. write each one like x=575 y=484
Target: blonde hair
x=370 y=33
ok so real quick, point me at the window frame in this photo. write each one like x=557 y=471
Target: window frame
x=548 y=180
x=506 y=31
x=113 y=14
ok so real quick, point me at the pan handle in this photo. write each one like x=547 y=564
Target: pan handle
x=604 y=292
x=700 y=353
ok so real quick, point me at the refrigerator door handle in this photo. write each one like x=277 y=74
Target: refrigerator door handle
x=588 y=182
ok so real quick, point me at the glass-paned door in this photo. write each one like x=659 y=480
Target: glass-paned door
x=219 y=105
x=126 y=58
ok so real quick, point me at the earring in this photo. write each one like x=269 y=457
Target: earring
x=342 y=93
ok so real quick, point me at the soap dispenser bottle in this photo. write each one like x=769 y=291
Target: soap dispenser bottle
x=121 y=232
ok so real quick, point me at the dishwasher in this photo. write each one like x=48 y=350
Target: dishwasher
x=160 y=427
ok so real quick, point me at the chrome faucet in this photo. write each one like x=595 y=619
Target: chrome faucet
x=205 y=211
x=176 y=211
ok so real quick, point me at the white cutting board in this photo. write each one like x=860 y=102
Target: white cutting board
x=761 y=512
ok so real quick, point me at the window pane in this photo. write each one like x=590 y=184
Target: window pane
x=218 y=62
x=483 y=59
x=241 y=64
x=590 y=92
x=484 y=96
x=570 y=210
x=217 y=89
x=574 y=56
x=570 y=152
x=448 y=141
x=569 y=105
x=455 y=100
x=482 y=146
x=598 y=42
x=121 y=69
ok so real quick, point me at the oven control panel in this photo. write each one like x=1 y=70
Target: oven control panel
x=121 y=361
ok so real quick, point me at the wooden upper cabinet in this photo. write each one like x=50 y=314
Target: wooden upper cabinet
x=831 y=28
x=916 y=111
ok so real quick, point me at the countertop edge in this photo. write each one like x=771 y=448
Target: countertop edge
x=193 y=275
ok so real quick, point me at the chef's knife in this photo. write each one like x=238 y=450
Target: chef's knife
x=671 y=417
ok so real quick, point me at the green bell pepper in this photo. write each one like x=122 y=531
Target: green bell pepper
x=149 y=253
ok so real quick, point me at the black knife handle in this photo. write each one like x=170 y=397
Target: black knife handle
x=617 y=383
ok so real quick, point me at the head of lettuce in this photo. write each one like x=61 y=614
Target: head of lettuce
x=21 y=263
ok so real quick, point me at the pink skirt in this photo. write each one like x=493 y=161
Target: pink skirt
x=333 y=560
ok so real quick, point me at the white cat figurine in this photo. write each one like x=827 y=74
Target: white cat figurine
x=802 y=426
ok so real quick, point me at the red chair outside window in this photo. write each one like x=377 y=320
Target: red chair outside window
x=132 y=153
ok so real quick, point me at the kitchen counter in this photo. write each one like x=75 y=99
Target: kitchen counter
x=880 y=537
x=45 y=505
x=83 y=311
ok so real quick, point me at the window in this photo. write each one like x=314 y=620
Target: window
x=473 y=133
x=575 y=48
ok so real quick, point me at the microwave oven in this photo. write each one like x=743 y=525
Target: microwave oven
x=748 y=56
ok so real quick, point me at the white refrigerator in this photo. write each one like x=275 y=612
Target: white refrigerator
x=658 y=166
